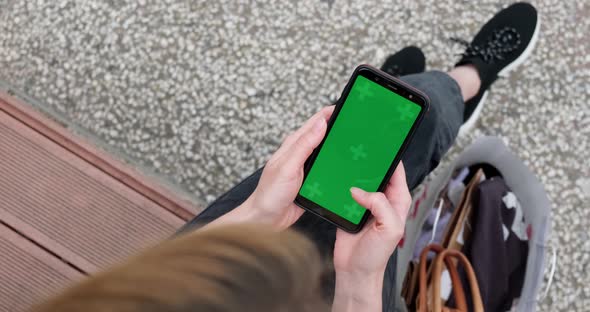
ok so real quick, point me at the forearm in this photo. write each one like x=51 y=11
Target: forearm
x=241 y=214
x=358 y=293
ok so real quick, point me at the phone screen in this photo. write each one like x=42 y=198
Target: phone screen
x=360 y=147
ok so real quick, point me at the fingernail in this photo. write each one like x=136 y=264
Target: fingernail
x=355 y=191
x=319 y=126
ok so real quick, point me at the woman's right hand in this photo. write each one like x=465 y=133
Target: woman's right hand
x=360 y=259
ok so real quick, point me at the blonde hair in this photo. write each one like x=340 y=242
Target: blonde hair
x=233 y=268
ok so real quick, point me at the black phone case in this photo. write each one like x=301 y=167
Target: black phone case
x=388 y=79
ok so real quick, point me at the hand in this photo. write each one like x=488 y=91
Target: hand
x=272 y=201
x=360 y=259
x=367 y=252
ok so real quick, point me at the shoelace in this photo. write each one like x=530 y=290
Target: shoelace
x=500 y=43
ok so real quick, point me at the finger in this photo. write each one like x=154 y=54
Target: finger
x=397 y=184
x=294 y=157
x=325 y=114
x=377 y=203
x=397 y=192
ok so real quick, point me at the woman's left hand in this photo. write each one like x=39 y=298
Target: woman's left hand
x=272 y=201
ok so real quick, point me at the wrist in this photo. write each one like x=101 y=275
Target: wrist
x=358 y=292
x=350 y=281
x=241 y=214
x=357 y=274
x=247 y=212
x=250 y=212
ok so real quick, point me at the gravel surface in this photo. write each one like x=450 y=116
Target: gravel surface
x=202 y=92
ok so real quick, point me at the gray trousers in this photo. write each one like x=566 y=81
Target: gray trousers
x=432 y=139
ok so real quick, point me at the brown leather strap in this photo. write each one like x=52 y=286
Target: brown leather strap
x=422 y=298
x=458 y=293
x=472 y=279
x=458 y=290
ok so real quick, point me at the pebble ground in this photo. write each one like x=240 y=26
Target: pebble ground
x=202 y=92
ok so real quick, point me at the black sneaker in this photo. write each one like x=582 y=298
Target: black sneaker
x=502 y=44
x=407 y=61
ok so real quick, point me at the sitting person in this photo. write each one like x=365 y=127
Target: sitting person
x=219 y=264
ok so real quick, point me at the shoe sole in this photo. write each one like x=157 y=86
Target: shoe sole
x=470 y=123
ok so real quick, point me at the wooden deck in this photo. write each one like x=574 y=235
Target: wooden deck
x=68 y=209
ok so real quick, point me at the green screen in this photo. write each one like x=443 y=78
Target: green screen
x=363 y=142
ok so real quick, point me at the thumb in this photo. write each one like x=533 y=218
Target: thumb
x=305 y=144
x=376 y=202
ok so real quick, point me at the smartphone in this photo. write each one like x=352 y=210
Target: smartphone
x=372 y=123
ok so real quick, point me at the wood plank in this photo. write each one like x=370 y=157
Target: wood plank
x=68 y=208
x=65 y=203
x=28 y=273
x=178 y=204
